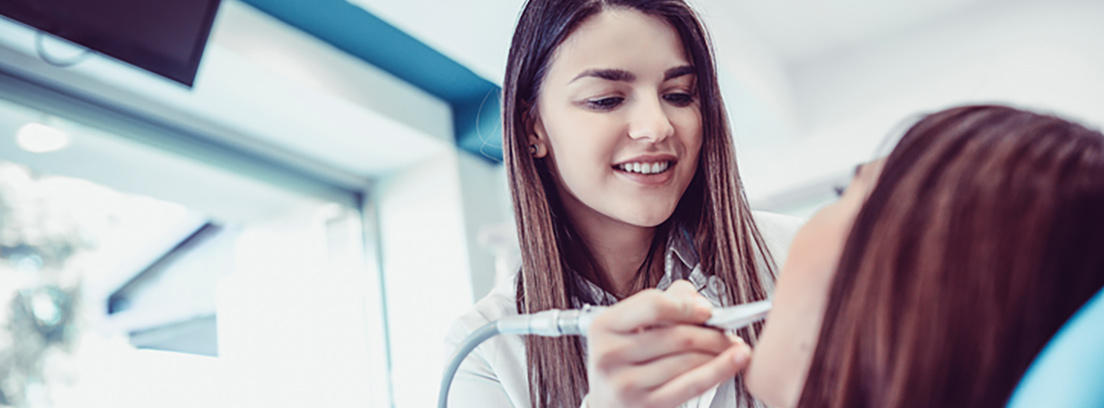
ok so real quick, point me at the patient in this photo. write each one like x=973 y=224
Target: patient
x=943 y=270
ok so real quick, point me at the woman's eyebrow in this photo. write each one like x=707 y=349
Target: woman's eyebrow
x=679 y=71
x=620 y=75
x=607 y=74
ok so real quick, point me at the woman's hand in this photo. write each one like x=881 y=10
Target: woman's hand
x=650 y=350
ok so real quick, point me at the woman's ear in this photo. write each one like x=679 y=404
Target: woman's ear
x=538 y=138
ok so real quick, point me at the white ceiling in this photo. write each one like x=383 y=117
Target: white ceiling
x=474 y=33
x=791 y=30
x=797 y=30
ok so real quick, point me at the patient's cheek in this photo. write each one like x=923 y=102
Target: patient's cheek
x=806 y=346
x=819 y=243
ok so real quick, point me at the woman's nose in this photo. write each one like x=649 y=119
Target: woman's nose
x=649 y=121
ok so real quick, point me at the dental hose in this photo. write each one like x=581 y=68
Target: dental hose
x=549 y=323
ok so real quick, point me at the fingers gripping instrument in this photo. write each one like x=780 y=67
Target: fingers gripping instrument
x=576 y=322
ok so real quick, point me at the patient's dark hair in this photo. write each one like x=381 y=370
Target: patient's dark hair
x=984 y=234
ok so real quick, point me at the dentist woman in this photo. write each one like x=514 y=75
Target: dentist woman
x=623 y=177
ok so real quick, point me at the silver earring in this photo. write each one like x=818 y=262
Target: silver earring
x=533 y=149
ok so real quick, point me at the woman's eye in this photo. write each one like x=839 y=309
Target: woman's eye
x=679 y=99
x=604 y=103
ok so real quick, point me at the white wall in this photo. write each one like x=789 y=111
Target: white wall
x=486 y=207
x=426 y=271
x=1043 y=54
x=430 y=218
x=1039 y=55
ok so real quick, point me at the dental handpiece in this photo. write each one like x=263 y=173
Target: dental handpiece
x=551 y=323
x=556 y=322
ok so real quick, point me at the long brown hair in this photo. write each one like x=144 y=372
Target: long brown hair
x=983 y=235
x=555 y=262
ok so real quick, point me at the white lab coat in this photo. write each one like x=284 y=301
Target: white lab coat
x=494 y=375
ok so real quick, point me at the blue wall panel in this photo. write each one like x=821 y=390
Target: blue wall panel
x=474 y=100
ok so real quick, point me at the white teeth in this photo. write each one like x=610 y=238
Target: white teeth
x=645 y=168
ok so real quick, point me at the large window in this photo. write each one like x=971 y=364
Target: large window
x=182 y=273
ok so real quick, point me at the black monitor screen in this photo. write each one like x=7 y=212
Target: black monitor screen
x=166 y=37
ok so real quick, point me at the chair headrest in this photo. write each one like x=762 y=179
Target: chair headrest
x=1068 y=372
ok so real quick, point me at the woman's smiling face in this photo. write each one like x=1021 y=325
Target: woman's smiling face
x=619 y=119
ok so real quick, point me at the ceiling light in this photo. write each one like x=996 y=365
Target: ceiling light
x=38 y=138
